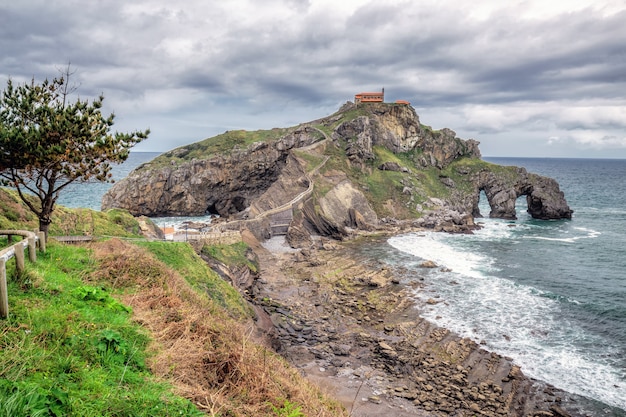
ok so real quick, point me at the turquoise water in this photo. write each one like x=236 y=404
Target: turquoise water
x=549 y=294
x=89 y=195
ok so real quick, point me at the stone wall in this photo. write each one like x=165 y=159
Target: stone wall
x=228 y=237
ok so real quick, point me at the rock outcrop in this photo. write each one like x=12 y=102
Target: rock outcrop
x=347 y=206
x=544 y=198
x=220 y=184
x=398 y=129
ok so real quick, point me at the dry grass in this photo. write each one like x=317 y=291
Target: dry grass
x=208 y=357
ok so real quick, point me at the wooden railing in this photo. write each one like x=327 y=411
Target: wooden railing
x=17 y=251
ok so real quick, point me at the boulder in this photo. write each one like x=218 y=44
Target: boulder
x=428 y=264
x=299 y=237
x=390 y=166
x=149 y=229
x=346 y=206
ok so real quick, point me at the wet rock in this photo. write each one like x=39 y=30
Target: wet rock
x=428 y=264
x=558 y=411
x=374 y=399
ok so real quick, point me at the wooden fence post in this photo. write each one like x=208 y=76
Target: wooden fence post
x=4 y=294
x=19 y=258
x=32 y=249
x=42 y=241
x=17 y=251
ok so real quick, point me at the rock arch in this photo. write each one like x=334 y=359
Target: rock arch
x=544 y=198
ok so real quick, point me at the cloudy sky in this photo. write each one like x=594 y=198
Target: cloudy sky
x=526 y=78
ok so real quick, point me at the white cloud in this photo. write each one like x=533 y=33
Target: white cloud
x=593 y=116
x=598 y=139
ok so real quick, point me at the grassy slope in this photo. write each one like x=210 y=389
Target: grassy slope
x=219 y=144
x=115 y=222
x=137 y=329
x=70 y=348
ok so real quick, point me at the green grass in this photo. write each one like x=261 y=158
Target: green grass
x=67 y=221
x=235 y=255
x=69 y=348
x=326 y=129
x=353 y=113
x=181 y=257
x=216 y=145
x=312 y=160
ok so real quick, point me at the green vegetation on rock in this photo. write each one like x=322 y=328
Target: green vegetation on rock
x=236 y=255
x=216 y=145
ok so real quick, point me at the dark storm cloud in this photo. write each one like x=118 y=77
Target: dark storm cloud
x=484 y=67
x=568 y=56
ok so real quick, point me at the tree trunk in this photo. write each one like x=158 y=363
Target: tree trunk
x=44 y=224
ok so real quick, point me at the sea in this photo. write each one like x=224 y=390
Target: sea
x=551 y=295
x=89 y=195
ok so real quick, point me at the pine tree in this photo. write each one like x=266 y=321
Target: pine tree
x=48 y=141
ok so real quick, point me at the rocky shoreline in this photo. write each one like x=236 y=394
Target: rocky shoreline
x=351 y=324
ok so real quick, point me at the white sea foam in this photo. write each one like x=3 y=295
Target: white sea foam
x=429 y=247
x=178 y=223
x=582 y=233
x=515 y=320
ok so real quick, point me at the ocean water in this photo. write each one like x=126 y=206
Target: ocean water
x=89 y=195
x=549 y=294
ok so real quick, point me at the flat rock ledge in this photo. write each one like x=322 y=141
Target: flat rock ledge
x=351 y=325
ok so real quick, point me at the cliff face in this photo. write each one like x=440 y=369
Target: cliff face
x=398 y=129
x=363 y=167
x=220 y=184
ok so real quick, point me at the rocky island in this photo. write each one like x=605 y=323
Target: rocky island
x=370 y=169
x=380 y=165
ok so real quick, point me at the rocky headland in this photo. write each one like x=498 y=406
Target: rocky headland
x=348 y=322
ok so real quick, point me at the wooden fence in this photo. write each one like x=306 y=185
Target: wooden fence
x=17 y=251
